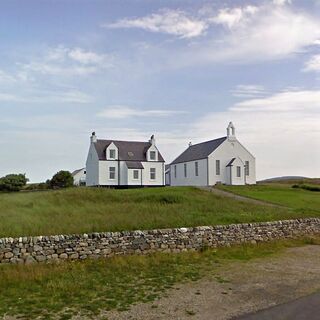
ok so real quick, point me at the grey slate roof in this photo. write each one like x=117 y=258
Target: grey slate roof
x=134 y=165
x=128 y=150
x=199 y=151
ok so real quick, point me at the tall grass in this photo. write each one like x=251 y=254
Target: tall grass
x=84 y=210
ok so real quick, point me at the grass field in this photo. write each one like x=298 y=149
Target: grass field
x=86 y=288
x=302 y=201
x=84 y=210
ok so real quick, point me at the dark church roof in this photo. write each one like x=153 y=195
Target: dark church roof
x=199 y=151
x=128 y=150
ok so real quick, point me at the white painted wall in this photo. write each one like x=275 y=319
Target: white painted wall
x=104 y=179
x=225 y=152
x=191 y=180
x=134 y=182
x=112 y=146
x=92 y=167
x=80 y=177
x=160 y=174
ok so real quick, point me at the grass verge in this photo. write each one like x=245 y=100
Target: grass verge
x=86 y=288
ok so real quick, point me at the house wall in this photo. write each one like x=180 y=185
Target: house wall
x=80 y=177
x=234 y=180
x=134 y=182
x=160 y=174
x=104 y=173
x=225 y=152
x=92 y=167
x=191 y=179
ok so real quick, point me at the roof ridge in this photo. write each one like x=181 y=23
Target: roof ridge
x=196 y=144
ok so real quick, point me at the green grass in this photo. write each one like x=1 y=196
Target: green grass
x=85 y=210
x=91 y=286
x=302 y=201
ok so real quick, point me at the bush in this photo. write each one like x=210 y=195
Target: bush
x=307 y=187
x=13 y=182
x=62 y=179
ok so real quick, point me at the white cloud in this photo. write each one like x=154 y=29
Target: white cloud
x=304 y=101
x=87 y=57
x=122 y=112
x=172 y=22
x=232 y=17
x=281 y=2
x=313 y=64
x=248 y=91
x=63 y=61
x=239 y=35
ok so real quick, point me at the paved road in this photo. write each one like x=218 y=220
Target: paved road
x=306 y=308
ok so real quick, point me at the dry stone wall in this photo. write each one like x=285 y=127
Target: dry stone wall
x=26 y=250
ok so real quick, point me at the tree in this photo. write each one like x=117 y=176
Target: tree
x=13 y=182
x=62 y=179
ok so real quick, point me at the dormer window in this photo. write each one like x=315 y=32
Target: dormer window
x=152 y=155
x=112 y=154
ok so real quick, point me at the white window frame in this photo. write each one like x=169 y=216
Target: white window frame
x=154 y=153
x=196 y=168
x=112 y=151
x=247 y=168
x=153 y=173
x=238 y=172
x=112 y=171
x=133 y=172
x=185 y=169
x=218 y=169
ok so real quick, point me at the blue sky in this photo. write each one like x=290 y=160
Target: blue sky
x=178 y=69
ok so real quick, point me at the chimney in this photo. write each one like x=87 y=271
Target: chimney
x=93 y=137
x=152 y=140
x=190 y=144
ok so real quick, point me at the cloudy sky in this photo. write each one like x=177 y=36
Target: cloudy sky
x=179 y=69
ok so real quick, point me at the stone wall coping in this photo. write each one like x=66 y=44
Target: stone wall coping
x=143 y=233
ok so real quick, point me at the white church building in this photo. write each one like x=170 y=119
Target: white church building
x=114 y=163
x=224 y=160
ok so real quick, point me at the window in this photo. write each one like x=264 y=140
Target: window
x=152 y=173
x=175 y=171
x=247 y=169
x=185 y=170
x=152 y=155
x=135 y=174
x=196 y=168
x=112 y=154
x=112 y=173
x=218 y=167
x=238 y=172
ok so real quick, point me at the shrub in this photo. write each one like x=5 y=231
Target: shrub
x=62 y=179
x=13 y=182
x=307 y=187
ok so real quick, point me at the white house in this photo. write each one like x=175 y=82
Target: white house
x=79 y=177
x=224 y=160
x=113 y=163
